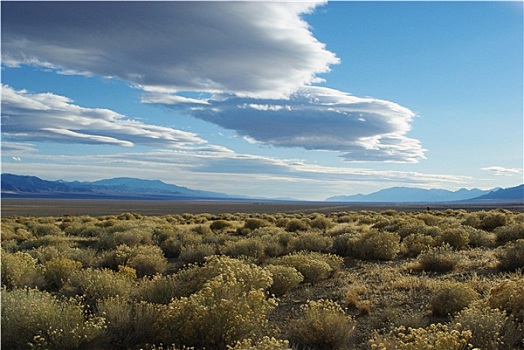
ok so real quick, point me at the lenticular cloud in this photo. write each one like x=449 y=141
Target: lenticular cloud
x=249 y=49
x=315 y=118
x=49 y=117
x=256 y=63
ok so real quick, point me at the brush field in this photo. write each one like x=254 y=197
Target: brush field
x=367 y=279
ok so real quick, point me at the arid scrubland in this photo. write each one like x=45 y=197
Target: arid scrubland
x=348 y=280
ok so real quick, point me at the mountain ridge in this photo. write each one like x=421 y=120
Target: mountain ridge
x=128 y=188
x=123 y=187
x=418 y=195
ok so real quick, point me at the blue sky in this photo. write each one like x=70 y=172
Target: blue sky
x=300 y=100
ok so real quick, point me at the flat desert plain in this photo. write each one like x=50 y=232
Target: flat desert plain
x=53 y=207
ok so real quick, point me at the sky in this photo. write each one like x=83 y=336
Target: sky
x=302 y=100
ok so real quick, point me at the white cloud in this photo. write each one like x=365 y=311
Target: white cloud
x=502 y=171
x=256 y=49
x=49 y=117
x=237 y=174
x=317 y=118
x=16 y=148
x=254 y=61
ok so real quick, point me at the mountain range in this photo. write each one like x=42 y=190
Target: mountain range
x=414 y=195
x=21 y=186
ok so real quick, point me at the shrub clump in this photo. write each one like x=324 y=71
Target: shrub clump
x=377 y=245
x=248 y=247
x=509 y=296
x=457 y=238
x=313 y=266
x=295 y=225
x=266 y=343
x=438 y=259
x=323 y=325
x=57 y=271
x=36 y=319
x=486 y=325
x=226 y=309
x=509 y=233
x=20 y=270
x=312 y=242
x=451 y=298
x=285 y=278
x=512 y=257
x=97 y=284
x=434 y=337
x=129 y=323
x=416 y=243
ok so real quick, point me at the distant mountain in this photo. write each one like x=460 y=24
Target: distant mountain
x=504 y=194
x=409 y=194
x=117 y=188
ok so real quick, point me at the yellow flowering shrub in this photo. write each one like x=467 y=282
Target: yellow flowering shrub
x=434 y=337
x=509 y=296
x=230 y=306
x=58 y=270
x=266 y=343
x=37 y=319
x=322 y=325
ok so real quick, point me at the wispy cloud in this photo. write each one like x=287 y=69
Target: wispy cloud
x=315 y=118
x=222 y=170
x=502 y=171
x=48 y=117
x=255 y=49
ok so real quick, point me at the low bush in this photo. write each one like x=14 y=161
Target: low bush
x=171 y=247
x=438 y=259
x=220 y=226
x=295 y=225
x=451 y=297
x=254 y=223
x=321 y=223
x=434 y=337
x=192 y=278
x=456 y=238
x=509 y=233
x=147 y=260
x=416 y=243
x=376 y=245
x=313 y=266
x=129 y=324
x=312 y=242
x=322 y=325
x=38 y=320
x=226 y=309
x=46 y=229
x=248 y=247
x=266 y=343
x=196 y=253
x=20 y=270
x=480 y=238
x=491 y=220
x=486 y=325
x=343 y=244
x=509 y=296
x=285 y=278
x=158 y=289
x=57 y=272
x=512 y=257
x=97 y=284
